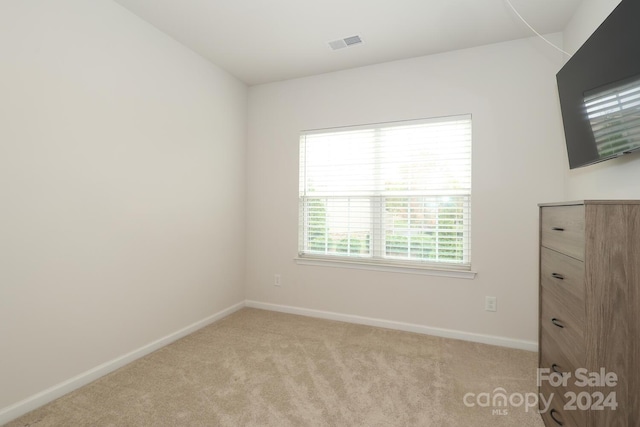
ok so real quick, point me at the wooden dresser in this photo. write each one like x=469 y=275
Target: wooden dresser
x=590 y=313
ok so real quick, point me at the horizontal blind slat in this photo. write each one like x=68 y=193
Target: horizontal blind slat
x=397 y=191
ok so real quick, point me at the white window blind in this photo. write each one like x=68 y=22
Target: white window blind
x=388 y=193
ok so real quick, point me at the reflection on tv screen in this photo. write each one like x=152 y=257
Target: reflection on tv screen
x=614 y=115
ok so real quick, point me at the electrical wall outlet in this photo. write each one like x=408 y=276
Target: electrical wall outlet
x=490 y=304
x=277 y=280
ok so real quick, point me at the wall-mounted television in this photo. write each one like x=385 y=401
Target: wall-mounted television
x=599 y=89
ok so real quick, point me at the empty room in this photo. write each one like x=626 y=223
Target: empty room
x=291 y=213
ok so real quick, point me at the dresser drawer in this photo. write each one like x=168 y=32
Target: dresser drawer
x=562 y=229
x=559 y=324
x=562 y=280
x=557 y=414
x=554 y=349
x=557 y=362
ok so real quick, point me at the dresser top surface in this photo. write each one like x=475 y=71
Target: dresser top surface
x=592 y=202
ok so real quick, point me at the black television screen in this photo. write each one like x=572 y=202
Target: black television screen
x=599 y=89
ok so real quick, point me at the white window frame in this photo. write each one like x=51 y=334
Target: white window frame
x=378 y=260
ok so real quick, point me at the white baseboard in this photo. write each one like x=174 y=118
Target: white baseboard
x=18 y=409
x=408 y=327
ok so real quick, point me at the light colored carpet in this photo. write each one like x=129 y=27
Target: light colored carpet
x=261 y=368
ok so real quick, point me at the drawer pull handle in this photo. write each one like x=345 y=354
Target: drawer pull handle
x=557 y=323
x=557 y=228
x=555 y=368
x=557 y=276
x=553 y=416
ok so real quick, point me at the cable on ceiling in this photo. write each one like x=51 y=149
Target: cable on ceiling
x=533 y=29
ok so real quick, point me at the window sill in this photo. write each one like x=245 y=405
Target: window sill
x=393 y=268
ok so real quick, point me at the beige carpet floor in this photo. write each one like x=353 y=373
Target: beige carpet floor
x=261 y=368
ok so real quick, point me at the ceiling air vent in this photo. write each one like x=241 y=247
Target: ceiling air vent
x=346 y=42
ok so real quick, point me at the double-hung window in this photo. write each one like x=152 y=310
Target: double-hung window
x=394 y=193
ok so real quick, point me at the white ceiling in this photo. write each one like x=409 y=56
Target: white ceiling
x=262 y=41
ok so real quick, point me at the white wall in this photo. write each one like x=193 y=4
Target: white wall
x=122 y=183
x=518 y=160
x=616 y=178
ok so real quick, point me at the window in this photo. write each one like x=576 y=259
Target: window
x=393 y=193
